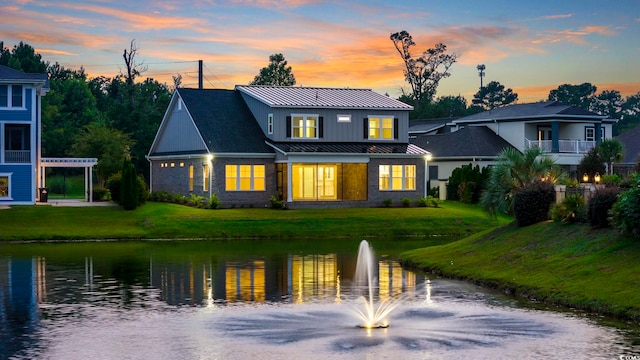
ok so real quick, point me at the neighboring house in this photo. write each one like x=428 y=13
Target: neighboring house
x=564 y=132
x=631 y=141
x=20 y=133
x=313 y=147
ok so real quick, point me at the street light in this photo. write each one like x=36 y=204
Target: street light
x=427 y=157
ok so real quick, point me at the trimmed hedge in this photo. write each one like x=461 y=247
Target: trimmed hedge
x=531 y=203
x=600 y=203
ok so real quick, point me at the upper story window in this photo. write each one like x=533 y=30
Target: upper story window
x=590 y=133
x=17 y=143
x=270 y=124
x=382 y=127
x=11 y=96
x=304 y=126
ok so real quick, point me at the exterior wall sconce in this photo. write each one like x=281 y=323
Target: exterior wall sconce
x=596 y=178
x=585 y=178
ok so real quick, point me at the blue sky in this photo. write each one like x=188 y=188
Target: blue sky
x=530 y=46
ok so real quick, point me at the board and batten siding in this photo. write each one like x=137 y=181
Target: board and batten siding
x=179 y=133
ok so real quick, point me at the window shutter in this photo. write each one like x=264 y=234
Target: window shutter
x=288 y=126
x=320 y=127
x=365 y=128
x=395 y=128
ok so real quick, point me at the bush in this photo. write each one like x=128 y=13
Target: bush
x=159 y=196
x=466 y=183
x=421 y=202
x=196 y=200
x=99 y=193
x=600 y=203
x=129 y=186
x=214 y=202
x=531 y=203
x=276 y=202
x=428 y=201
x=571 y=209
x=113 y=184
x=626 y=211
x=387 y=202
x=143 y=191
x=406 y=202
x=611 y=180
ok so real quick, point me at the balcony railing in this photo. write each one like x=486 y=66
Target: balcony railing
x=564 y=146
x=17 y=156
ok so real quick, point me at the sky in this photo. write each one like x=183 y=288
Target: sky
x=529 y=46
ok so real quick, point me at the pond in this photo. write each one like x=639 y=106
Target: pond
x=263 y=300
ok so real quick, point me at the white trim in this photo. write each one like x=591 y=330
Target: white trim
x=304 y=128
x=343 y=118
x=270 y=124
x=8 y=197
x=380 y=127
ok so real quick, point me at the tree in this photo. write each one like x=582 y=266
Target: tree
x=108 y=145
x=610 y=151
x=129 y=186
x=22 y=57
x=494 y=95
x=630 y=117
x=277 y=73
x=513 y=171
x=425 y=72
x=582 y=95
x=591 y=164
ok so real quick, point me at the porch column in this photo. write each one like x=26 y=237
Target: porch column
x=598 y=133
x=289 y=196
x=555 y=136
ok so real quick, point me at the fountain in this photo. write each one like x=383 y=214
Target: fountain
x=371 y=317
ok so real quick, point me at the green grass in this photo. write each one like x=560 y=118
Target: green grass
x=170 y=221
x=564 y=264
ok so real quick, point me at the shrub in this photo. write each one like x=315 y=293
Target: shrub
x=387 y=202
x=196 y=200
x=421 y=202
x=571 y=209
x=143 y=191
x=159 y=196
x=600 y=203
x=626 y=211
x=214 y=202
x=406 y=202
x=113 y=184
x=466 y=183
x=611 y=180
x=433 y=201
x=129 y=186
x=276 y=202
x=531 y=202
x=99 y=193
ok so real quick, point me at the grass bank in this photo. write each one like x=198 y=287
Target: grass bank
x=170 y=221
x=563 y=264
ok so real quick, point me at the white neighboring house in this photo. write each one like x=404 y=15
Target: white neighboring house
x=565 y=132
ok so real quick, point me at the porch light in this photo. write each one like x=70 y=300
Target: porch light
x=585 y=178
x=596 y=178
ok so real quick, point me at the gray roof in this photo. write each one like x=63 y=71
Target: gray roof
x=539 y=110
x=224 y=121
x=316 y=97
x=348 y=148
x=631 y=141
x=421 y=126
x=9 y=75
x=468 y=142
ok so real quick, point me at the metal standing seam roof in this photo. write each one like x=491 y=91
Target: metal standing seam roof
x=348 y=148
x=317 y=97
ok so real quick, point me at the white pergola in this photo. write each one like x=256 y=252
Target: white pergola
x=86 y=163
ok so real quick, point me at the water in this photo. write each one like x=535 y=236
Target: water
x=264 y=300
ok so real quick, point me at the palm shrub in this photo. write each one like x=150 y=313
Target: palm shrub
x=531 y=202
x=600 y=203
x=626 y=211
x=571 y=209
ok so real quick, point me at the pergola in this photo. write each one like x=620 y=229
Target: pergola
x=86 y=163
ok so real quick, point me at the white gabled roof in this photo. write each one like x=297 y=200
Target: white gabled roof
x=317 y=97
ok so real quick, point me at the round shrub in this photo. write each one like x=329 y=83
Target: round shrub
x=571 y=209
x=113 y=184
x=600 y=203
x=531 y=203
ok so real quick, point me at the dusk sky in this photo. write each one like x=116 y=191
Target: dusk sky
x=530 y=46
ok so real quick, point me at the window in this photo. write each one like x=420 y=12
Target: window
x=314 y=182
x=17 y=143
x=11 y=96
x=191 y=177
x=4 y=186
x=205 y=177
x=244 y=178
x=304 y=126
x=397 y=177
x=270 y=124
x=344 y=118
x=381 y=127
x=590 y=133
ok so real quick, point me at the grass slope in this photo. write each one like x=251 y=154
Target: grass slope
x=171 y=221
x=563 y=264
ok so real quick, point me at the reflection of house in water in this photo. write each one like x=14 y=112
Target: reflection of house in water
x=297 y=277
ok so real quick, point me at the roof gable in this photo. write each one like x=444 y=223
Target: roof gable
x=317 y=97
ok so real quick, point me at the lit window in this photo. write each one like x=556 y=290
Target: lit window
x=397 y=177
x=205 y=177
x=191 y=171
x=344 y=118
x=314 y=182
x=173 y=164
x=244 y=177
x=270 y=124
x=4 y=186
x=380 y=127
x=304 y=126
x=181 y=164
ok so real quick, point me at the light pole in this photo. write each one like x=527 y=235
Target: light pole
x=427 y=157
x=481 y=68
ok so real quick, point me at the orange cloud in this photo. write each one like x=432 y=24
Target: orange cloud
x=554 y=17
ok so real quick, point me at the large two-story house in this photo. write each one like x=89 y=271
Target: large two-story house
x=20 y=129
x=566 y=133
x=309 y=146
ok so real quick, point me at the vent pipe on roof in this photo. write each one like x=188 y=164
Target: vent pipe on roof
x=200 y=74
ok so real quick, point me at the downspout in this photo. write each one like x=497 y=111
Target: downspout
x=150 y=174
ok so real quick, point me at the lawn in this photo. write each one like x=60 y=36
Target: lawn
x=564 y=264
x=154 y=220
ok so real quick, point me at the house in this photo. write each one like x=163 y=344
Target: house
x=566 y=133
x=630 y=139
x=20 y=131
x=312 y=147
